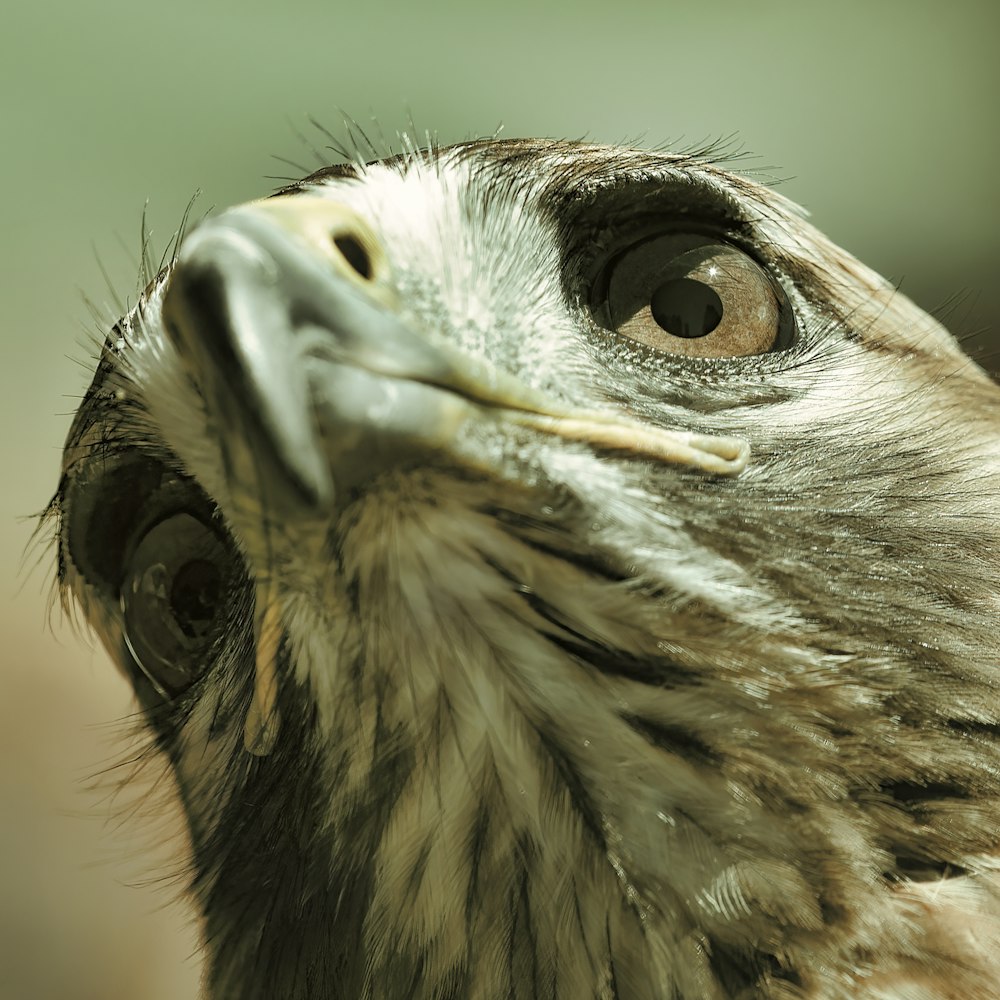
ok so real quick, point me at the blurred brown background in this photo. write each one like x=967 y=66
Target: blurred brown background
x=883 y=117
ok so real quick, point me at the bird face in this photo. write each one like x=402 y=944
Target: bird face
x=553 y=571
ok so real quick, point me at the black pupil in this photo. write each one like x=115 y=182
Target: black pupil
x=686 y=307
x=194 y=596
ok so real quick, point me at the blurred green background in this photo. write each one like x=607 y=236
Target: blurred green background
x=882 y=118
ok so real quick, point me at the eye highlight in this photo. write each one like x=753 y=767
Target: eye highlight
x=695 y=296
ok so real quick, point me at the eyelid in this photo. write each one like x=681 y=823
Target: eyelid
x=616 y=237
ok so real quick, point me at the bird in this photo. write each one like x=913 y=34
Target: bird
x=553 y=571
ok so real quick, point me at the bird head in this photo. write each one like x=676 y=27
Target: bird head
x=553 y=570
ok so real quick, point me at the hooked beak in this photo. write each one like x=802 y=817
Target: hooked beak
x=285 y=312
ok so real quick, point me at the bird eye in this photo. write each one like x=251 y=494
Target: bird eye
x=176 y=584
x=696 y=296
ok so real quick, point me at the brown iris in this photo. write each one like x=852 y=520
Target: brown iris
x=691 y=295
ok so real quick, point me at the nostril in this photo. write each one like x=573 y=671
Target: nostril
x=354 y=252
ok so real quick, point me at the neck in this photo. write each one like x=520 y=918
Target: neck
x=514 y=793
